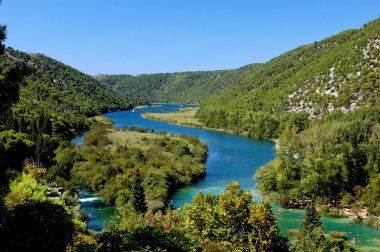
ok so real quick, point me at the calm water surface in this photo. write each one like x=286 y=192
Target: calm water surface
x=231 y=158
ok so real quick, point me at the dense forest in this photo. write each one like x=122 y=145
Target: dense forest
x=321 y=102
x=43 y=102
x=337 y=73
x=185 y=87
x=164 y=162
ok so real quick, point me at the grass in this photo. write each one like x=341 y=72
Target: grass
x=132 y=138
x=101 y=120
x=140 y=140
x=186 y=116
x=140 y=106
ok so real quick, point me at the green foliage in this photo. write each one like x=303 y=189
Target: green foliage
x=49 y=101
x=312 y=219
x=336 y=74
x=328 y=160
x=3 y=36
x=138 y=200
x=83 y=243
x=11 y=75
x=186 y=87
x=152 y=232
x=97 y=136
x=13 y=147
x=110 y=171
x=23 y=190
x=371 y=196
x=36 y=226
x=371 y=222
x=61 y=88
x=311 y=237
x=232 y=219
x=264 y=235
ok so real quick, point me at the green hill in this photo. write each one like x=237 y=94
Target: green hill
x=54 y=85
x=45 y=101
x=337 y=73
x=320 y=101
x=185 y=87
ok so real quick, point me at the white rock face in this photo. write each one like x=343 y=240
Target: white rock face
x=332 y=92
x=330 y=107
x=331 y=75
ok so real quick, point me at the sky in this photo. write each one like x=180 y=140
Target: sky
x=150 y=36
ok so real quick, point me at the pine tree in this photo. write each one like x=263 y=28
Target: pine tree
x=312 y=218
x=3 y=36
x=138 y=194
x=310 y=237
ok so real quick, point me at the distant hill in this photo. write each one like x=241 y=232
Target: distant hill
x=185 y=87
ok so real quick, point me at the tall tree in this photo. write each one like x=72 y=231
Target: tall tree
x=265 y=232
x=138 y=194
x=3 y=36
x=312 y=218
x=310 y=237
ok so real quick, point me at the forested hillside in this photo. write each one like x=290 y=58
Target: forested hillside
x=43 y=102
x=321 y=101
x=186 y=87
x=339 y=73
x=59 y=87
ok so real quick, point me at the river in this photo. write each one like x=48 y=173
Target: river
x=231 y=158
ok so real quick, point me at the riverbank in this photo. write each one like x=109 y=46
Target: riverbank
x=184 y=117
x=165 y=161
x=141 y=106
x=235 y=158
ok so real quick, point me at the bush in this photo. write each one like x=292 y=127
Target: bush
x=371 y=222
x=338 y=235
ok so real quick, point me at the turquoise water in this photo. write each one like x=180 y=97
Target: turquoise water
x=236 y=158
x=99 y=212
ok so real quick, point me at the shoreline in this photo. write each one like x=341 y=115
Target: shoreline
x=197 y=125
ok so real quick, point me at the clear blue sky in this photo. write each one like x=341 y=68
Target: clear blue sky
x=147 y=36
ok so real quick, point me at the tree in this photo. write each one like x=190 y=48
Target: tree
x=312 y=218
x=3 y=36
x=310 y=237
x=23 y=189
x=264 y=234
x=36 y=226
x=138 y=194
x=233 y=220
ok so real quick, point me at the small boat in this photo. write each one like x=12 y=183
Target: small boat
x=133 y=110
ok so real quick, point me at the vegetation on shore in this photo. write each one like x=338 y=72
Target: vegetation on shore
x=321 y=101
x=184 y=117
x=165 y=162
x=334 y=160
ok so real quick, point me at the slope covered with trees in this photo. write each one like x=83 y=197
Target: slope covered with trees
x=61 y=88
x=321 y=102
x=42 y=104
x=48 y=101
x=185 y=87
x=337 y=73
